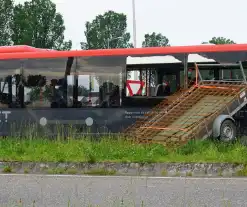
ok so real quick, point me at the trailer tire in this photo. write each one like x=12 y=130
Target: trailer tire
x=228 y=131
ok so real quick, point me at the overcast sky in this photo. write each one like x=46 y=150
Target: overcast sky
x=184 y=22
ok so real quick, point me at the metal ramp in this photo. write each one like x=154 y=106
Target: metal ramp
x=190 y=115
x=158 y=110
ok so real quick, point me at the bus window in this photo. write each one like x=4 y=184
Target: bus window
x=100 y=81
x=46 y=84
x=207 y=73
x=154 y=80
x=231 y=74
x=171 y=81
x=245 y=71
x=148 y=77
x=221 y=72
x=10 y=76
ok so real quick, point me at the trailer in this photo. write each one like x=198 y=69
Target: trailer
x=209 y=108
x=90 y=91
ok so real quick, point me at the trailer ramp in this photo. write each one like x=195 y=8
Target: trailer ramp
x=158 y=110
x=192 y=114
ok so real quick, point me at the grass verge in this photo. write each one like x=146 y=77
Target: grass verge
x=117 y=150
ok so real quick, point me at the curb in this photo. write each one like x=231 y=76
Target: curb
x=127 y=169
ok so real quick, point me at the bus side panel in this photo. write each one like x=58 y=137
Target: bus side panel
x=27 y=122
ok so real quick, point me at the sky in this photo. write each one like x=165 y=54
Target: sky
x=187 y=22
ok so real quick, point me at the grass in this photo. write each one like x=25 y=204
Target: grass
x=62 y=171
x=7 y=169
x=117 y=150
x=100 y=172
x=242 y=172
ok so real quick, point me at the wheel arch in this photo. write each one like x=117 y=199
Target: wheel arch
x=217 y=124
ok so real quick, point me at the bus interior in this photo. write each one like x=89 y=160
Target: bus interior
x=156 y=76
x=79 y=82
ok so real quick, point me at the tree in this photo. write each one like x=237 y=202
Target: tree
x=67 y=45
x=36 y=92
x=6 y=16
x=219 y=41
x=155 y=40
x=107 y=31
x=82 y=90
x=36 y=23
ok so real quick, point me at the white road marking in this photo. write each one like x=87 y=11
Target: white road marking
x=139 y=177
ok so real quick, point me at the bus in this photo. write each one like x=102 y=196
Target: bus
x=94 y=90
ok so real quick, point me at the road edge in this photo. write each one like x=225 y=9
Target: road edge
x=127 y=169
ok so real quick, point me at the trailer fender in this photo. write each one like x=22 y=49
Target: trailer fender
x=217 y=124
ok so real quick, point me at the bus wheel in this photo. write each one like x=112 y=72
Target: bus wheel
x=228 y=131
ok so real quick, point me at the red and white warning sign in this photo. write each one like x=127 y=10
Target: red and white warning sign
x=135 y=87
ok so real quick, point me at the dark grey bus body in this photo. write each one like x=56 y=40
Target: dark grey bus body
x=102 y=116
x=41 y=115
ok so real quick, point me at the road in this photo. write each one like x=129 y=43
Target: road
x=62 y=190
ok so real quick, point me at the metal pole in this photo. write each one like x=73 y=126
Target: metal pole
x=217 y=65
x=185 y=71
x=134 y=22
x=134 y=33
x=198 y=73
x=242 y=70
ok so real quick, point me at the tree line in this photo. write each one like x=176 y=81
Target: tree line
x=37 y=23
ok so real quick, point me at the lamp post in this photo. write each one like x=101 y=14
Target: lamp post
x=134 y=22
x=134 y=32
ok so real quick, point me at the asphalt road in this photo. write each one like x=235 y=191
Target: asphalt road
x=59 y=191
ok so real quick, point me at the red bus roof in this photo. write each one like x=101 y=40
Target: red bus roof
x=153 y=51
x=19 y=49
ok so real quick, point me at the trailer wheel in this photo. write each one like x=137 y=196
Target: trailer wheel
x=228 y=131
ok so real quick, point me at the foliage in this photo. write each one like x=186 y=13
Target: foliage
x=219 y=41
x=107 y=31
x=34 y=93
x=6 y=16
x=35 y=82
x=34 y=147
x=155 y=40
x=46 y=92
x=67 y=45
x=82 y=91
x=36 y=23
